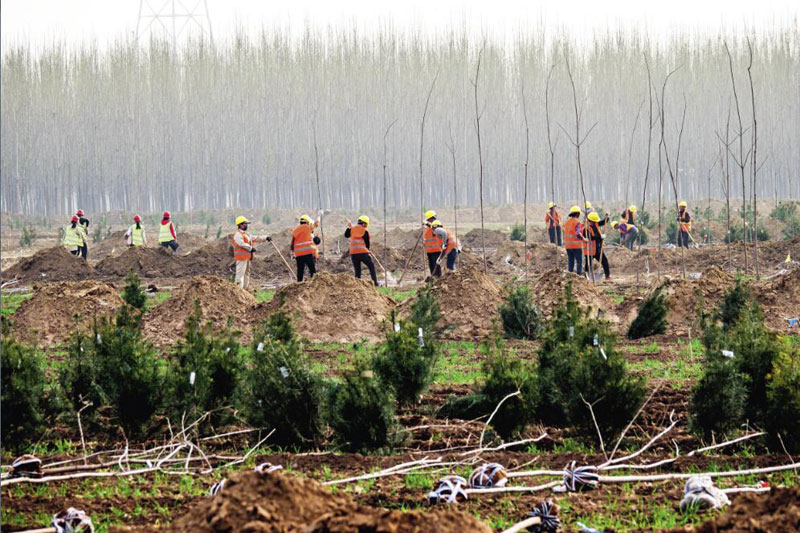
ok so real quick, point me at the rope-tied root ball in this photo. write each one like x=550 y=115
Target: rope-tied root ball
x=547 y=511
x=449 y=490
x=72 y=521
x=488 y=476
x=577 y=478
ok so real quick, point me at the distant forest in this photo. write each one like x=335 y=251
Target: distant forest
x=271 y=122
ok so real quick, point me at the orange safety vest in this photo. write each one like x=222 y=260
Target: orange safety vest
x=686 y=227
x=357 y=244
x=571 y=240
x=303 y=241
x=433 y=243
x=590 y=245
x=452 y=242
x=552 y=220
x=240 y=253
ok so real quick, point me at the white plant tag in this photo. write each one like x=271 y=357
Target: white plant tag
x=603 y=353
x=397 y=326
x=228 y=349
x=420 y=339
x=727 y=353
x=99 y=339
x=572 y=331
x=595 y=341
x=260 y=347
x=284 y=371
x=192 y=377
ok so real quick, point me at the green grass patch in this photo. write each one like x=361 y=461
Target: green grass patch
x=9 y=303
x=265 y=296
x=398 y=295
x=678 y=371
x=457 y=364
x=156 y=299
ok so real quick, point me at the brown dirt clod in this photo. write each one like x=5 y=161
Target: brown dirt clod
x=146 y=262
x=50 y=264
x=469 y=302
x=548 y=290
x=332 y=308
x=49 y=315
x=685 y=295
x=279 y=502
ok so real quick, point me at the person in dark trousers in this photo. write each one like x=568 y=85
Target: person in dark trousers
x=685 y=225
x=84 y=222
x=359 y=247
x=451 y=247
x=434 y=238
x=595 y=244
x=304 y=247
x=552 y=220
x=573 y=240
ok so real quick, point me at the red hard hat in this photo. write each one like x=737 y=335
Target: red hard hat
x=74 y=218
x=137 y=218
x=80 y=212
x=166 y=214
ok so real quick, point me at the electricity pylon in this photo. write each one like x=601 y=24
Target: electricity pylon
x=173 y=18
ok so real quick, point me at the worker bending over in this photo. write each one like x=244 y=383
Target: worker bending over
x=627 y=233
x=167 y=237
x=74 y=237
x=593 y=246
x=84 y=223
x=303 y=247
x=359 y=247
x=243 y=251
x=135 y=235
x=629 y=215
x=451 y=247
x=685 y=224
x=552 y=221
x=435 y=238
x=573 y=240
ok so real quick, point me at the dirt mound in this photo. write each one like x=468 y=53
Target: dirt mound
x=49 y=315
x=332 y=307
x=146 y=262
x=115 y=244
x=469 y=301
x=279 y=502
x=218 y=299
x=493 y=238
x=780 y=298
x=777 y=511
x=50 y=264
x=685 y=295
x=548 y=290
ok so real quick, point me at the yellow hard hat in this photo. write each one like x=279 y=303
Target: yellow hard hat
x=241 y=220
x=436 y=224
x=614 y=224
x=574 y=209
x=306 y=218
x=430 y=214
x=594 y=217
x=632 y=209
x=551 y=205
x=588 y=205
x=682 y=204
x=364 y=219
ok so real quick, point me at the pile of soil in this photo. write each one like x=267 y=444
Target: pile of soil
x=50 y=264
x=146 y=262
x=281 y=502
x=685 y=295
x=469 y=302
x=400 y=239
x=54 y=310
x=493 y=238
x=331 y=307
x=774 y=512
x=115 y=244
x=548 y=290
x=218 y=300
x=780 y=298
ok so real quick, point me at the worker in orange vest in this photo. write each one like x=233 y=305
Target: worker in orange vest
x=685 y=223
x=593 y=245
x=451 y=246
x=359 y=247
x=434 y=239
x=243 y=251
x=304 y=247
x=552 y=221
x=573 y=239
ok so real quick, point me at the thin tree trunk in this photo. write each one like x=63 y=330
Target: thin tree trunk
x=421 y=150
x=452 y=148
x=525 y=194
x=480 y=155
x=742 y=161
x=319 y=190
x=385 y=194
x=754 y=160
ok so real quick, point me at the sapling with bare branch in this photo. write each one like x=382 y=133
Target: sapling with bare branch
x=478 y=114
x=385 y=195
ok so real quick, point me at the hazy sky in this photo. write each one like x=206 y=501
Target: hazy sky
x=38 y=21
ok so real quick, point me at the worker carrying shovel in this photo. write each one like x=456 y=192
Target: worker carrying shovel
x=243 y=251
x=685 y=224
x=359 y=247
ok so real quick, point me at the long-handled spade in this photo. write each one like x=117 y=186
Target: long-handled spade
x=291 y=271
